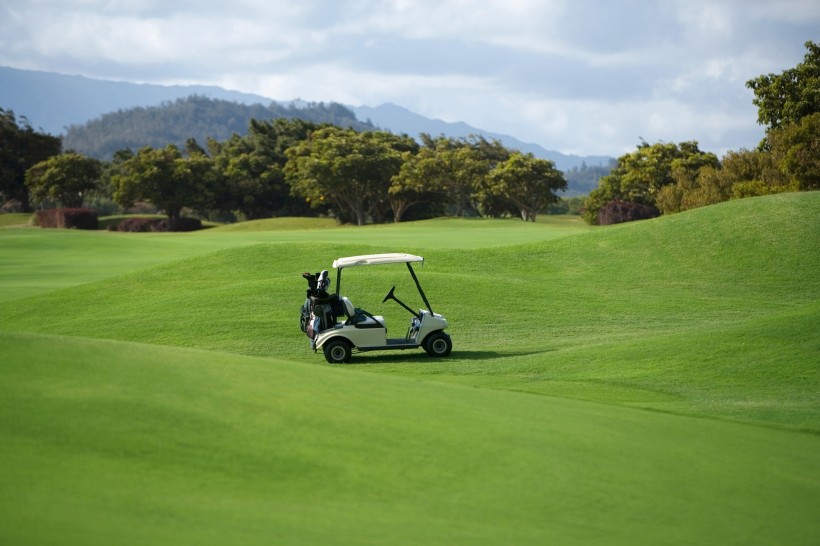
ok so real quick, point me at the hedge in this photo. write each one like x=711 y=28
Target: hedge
x=140 y=224
x=617 y=212
x=67 y=218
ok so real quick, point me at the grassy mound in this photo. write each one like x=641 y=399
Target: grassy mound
x=279 y=224
x=120 y=442
x=38 y=262
x=15 y=219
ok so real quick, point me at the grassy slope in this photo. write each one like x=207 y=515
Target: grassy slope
x=110 y=442
x=15 y=219
x=710 y=313
x=37 y=261
x=719 y=322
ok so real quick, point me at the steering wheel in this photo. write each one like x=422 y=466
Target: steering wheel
x=389 y=295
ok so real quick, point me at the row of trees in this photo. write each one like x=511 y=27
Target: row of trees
x=666 y=178
x=296 y=167
x=292 y=166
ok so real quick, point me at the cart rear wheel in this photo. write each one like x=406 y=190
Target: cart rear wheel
x=337 y=351
x=438 y=344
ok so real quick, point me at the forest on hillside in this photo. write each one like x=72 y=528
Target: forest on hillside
x=197 y=117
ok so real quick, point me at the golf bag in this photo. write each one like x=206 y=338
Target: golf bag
x=320 y=309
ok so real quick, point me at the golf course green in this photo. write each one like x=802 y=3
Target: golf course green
x=654 y=382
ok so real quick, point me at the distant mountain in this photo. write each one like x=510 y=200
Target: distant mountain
x=197 y=117
x=400 y=120
x=54 y=102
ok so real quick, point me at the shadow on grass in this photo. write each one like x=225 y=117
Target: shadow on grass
x=420 y=357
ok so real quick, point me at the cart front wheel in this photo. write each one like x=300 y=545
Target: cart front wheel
x=438 y=344
x=337 y=351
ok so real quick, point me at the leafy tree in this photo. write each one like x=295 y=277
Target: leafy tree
x=748 y=173
x=639 y=176
x=788 y=97
x=459 y=168
x=253 y=169
x=704 y=187
x=795 y=148
x=617 y=211
x=416 y=182
x=21 y=147
x=166 y=178
x=526 y=182
x=350 y=171
x=485 y=157
x=66 y=178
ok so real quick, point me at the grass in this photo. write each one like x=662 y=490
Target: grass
x=648 y=383
x=138 y=444
x=38 y=261
x=15 y=219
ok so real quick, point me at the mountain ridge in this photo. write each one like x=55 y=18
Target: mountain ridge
x=53 y=102
x=390 y=116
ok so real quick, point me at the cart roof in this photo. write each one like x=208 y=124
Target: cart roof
x=376 y=259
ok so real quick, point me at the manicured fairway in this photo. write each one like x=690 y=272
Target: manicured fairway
x=649 y=383
x=136 y=444
x=37 y=260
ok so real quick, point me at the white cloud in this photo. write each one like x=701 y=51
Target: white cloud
x=582 y=76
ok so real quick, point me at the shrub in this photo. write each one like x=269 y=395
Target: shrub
x=617 y=212
x=183 y=224
x=139 y=224
x=67 y=218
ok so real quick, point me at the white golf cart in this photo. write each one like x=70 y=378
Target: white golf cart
x=334 y=325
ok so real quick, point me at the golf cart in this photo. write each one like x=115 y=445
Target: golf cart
x=334 y=325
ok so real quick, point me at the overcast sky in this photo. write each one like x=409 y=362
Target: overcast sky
x=587 y=77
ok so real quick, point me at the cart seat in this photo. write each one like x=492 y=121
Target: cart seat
x=359 y=317
x=350 y=311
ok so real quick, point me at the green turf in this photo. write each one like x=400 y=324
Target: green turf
x=37 y=260
x=15 y=219
x=111 y=442
x=655 y=382
x=281 y=224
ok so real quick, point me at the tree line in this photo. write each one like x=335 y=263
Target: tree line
x=290 y=166
x=296 y=167
x=666 y=178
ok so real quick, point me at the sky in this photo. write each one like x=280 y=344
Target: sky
x=586 y=77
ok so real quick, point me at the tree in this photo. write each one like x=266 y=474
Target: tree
x=66 y=178
x=526 y=182
x=617 y=212
x=166 y=178
x=415 y=183
x=796 y=150
x=639 y=176
x=21 y=147
x=459 y=168
x=793 y=94
x=252 y=168
x=350 y=171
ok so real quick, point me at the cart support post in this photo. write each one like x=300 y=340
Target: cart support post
x=418 y=285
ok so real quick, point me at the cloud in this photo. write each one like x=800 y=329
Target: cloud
x=582 y=76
